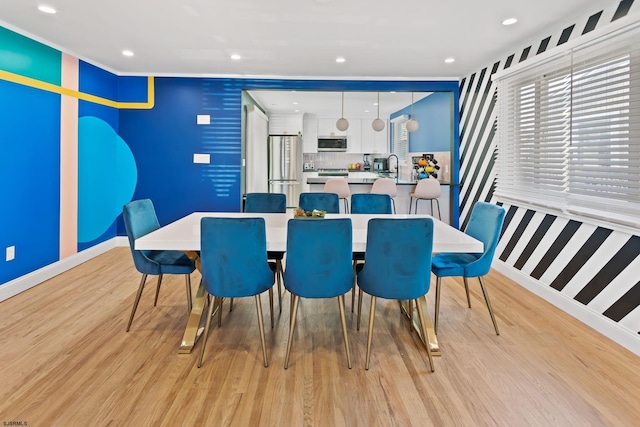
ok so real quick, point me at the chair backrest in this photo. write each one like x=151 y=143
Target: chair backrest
x=340 y=186
x=329 y=202
x=366 y=203
x=397 y=261
x=265 y=203
x=233 y=252
x=485 y=224
x=140 y=219
x=428 y=188
x=384 y=186
x=319 y=257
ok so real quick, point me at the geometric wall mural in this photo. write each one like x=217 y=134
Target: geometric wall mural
x=107 y=176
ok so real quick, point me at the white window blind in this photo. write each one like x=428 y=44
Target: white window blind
x=569 y=132
x=400 y=137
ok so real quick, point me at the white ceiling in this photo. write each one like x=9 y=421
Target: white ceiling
x=294 y=38
x=357 y=105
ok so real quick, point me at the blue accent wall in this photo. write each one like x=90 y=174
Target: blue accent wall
x=434 y=115
x=165 y=138
x=30 y=176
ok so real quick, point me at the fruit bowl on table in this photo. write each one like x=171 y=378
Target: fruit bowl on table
x=314 y=214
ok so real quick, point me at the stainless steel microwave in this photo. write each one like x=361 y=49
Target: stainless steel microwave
x=332 y=143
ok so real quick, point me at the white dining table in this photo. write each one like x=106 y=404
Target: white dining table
x=184 y=235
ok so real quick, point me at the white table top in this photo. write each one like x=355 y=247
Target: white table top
x=184 y=234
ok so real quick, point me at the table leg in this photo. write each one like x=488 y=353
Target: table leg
x=432 y=340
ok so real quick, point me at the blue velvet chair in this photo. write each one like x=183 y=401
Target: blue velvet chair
x=140 y=219
x=233 y=252
x=367 y=203
x=328 y=202
x=397 y=266
x=485 y=224
x=269 y=203
x=318 y=266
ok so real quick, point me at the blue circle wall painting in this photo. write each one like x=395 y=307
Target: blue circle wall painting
x=107 y=177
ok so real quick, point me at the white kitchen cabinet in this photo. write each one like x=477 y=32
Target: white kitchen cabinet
x=310 y=134
x=374 y=142
x=327 y=127
x=285 y=124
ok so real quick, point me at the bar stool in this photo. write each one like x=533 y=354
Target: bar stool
x=341 y=188
x=426 y=189
x=385 y=186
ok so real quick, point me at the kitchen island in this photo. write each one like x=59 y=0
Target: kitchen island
x=405 y=188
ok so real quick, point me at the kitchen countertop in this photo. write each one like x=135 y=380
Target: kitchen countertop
x=367 y=181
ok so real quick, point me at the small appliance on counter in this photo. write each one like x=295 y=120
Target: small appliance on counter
x=366 y=162
x=380 y=164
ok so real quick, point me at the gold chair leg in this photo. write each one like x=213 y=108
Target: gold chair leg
x=292 y=325
x=435 y=321
x=372 y=313
x=220 y=301
x=359 y=309
x=207 y=325
x=353 y=288
x=486 y=298
x=466 y=289
x=261 y=327
x=423 y=329
x=155 y=300
x=137 y=300
x=343 y=320
x=189 y=297
x=270 y=305
x=279 y=279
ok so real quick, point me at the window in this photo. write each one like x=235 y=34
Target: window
x=400 y=137
x=569 y=132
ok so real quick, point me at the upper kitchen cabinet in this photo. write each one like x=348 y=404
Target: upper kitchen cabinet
x=285 y=124
x=327 y=127
x=310 y=134
x=372 y=141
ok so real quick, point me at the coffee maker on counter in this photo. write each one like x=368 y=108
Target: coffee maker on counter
x=366 y=162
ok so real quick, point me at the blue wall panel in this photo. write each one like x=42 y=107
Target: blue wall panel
x=434 y=115
x=30 y=173
x=165 y=138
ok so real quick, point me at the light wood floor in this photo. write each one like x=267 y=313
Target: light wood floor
x=65 y=360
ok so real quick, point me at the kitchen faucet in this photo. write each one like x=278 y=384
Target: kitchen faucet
x=397 y=165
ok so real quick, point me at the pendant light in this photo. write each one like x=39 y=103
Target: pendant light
x=412 y=124
x=378 y=124
x=342 y=124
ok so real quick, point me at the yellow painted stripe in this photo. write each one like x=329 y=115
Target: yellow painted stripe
x=27 y=81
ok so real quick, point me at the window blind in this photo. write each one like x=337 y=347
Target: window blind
x=569 y=132
x=400 y=137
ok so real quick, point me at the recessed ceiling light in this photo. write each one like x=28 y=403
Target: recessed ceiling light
x=340 y=59
x=295 y=103
x=375 y=103
x=46 y=9
x=366 y=111
x=449 y=60
x=235 y=57
x=127 y=53
x=509 y=21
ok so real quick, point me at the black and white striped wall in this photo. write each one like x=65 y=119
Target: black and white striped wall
x=590 y=271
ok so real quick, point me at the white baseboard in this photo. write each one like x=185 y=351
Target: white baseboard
x=34 y=278
x=597 y=321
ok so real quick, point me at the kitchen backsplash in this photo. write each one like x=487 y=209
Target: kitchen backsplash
x=336 y=160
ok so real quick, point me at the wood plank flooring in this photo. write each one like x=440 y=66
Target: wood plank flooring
x=66 y=360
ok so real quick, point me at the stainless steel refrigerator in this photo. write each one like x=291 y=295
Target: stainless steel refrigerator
x=285 y=166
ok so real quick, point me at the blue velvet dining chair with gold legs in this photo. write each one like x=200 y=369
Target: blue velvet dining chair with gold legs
x=397 y=266
x=366 y=203
x=233 y=252
x=318 y=266
x=485 y=224
x=328 y=202
x=139 y=220
x=269 y=203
